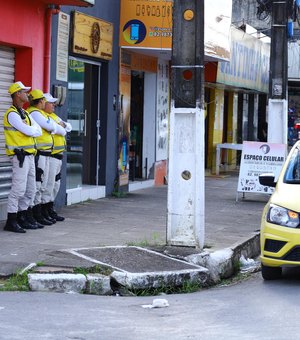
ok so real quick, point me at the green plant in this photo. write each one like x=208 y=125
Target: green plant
x=17 y=282
x=186 y=287
x=97 y=269
x=144 y=243
x=119 y=194
x=236 y=266
x=238 y=277
x=40 y=264
x=155 y=240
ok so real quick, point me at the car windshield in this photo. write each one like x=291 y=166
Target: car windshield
x=292 y=173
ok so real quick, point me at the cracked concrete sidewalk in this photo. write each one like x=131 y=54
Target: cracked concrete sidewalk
x=139 y=219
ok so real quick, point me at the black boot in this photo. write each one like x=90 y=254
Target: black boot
x=32 y=220
x=37 y=214
x=12 y=224
x=23 y=222
x=45 y=214
x=52 y=213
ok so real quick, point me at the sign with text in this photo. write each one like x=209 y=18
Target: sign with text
x=249 y=63
x=62 y=56
x=148 y=24
x=258 y=158
x=92 y=36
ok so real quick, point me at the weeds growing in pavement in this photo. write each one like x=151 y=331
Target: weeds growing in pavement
x=16 y=282
x=186 y=287
x=97 y=269
x=119 y=194
x=155 y=241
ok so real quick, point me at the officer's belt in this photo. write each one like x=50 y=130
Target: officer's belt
x=44 y=153
x=57 y=156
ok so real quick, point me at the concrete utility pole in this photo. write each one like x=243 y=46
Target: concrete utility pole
x=278 y=107
x=186 y=149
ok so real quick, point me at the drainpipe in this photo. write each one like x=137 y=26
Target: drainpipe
x=48 y=27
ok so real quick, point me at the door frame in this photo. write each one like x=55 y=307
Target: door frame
x=99 y=64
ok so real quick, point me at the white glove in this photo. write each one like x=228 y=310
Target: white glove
x=68 y=127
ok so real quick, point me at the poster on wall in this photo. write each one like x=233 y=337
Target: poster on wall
x=124 y=119
x=162 y=105
x=62 y=56
x=258 y=158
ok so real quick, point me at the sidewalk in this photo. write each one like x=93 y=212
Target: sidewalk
x=139 y=219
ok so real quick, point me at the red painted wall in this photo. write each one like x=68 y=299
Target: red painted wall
x=22 y=26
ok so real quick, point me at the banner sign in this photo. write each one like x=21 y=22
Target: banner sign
x=249 y=63
x=92 y=36
x=148 y=24
x=258 y=158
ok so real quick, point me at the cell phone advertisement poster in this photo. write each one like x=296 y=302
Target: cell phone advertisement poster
x=258 y=158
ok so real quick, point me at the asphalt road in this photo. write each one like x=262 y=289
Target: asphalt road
x=252 y=309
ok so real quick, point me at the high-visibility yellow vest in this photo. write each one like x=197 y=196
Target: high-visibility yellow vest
x=45 y=141
x=14 y=138
x=59 y=141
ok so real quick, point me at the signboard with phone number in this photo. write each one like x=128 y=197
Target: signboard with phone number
x=258 y=158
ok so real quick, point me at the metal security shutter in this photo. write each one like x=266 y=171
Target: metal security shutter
x=7 y=67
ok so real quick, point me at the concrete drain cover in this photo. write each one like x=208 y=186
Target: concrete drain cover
x=133 y=259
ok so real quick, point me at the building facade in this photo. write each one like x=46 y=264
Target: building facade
x=89 y=78
x=109 y=63
x=68 y=48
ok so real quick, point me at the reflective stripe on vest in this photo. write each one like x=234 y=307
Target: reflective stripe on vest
x=59 y=142
x=45 y=141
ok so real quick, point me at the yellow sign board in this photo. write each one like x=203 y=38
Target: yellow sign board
x=92 y=36
x=146 y=23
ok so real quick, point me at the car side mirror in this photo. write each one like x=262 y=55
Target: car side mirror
x=267 y=180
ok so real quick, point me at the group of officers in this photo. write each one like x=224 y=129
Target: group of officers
x=35 y=142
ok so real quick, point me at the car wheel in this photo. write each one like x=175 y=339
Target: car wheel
x=271 y=273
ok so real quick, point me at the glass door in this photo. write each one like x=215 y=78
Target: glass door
x=83 y=114
x=76 y=118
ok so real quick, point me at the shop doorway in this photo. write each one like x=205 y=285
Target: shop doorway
x=136 y=126
x=84 y=115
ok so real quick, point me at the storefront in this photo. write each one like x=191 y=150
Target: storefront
x=84 y=71
x=237 y=95
x=25 y=35
x=146 y=36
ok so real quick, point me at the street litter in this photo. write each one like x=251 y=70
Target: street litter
x=249 y=265
x=157 y=303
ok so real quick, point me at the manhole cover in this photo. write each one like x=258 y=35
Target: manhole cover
x=132 y=259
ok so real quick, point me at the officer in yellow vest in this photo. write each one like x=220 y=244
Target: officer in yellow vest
x=59 y=146
x=19 y=132
x=44 y=145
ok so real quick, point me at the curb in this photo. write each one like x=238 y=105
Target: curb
x=213 y=267
x=95 y=284
x=222 y=264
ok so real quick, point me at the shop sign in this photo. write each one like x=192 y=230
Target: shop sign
x=92 y=36
x=148 y=24
x=258 y=158
x=249 y=63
